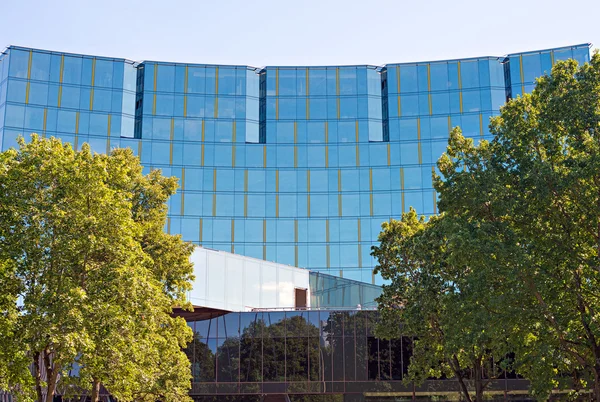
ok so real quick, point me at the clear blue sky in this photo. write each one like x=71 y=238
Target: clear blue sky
x=297 y=32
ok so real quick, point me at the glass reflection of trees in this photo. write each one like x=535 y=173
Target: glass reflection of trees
x=306 y=349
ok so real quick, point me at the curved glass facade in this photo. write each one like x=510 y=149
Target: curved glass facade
x=298 y=165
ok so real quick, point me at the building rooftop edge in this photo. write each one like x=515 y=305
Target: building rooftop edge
x=129 y=61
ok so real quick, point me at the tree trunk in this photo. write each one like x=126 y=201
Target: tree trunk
x=478 y=374
x=96 y=390
x=597 y=382
x=38 y=376
x=52 y=380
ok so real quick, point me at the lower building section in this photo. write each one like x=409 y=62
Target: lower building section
x=311 y=355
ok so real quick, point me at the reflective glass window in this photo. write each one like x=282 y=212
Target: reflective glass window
x=19 y=63
x=72 y=70
x=40 y=66
x=469 y=72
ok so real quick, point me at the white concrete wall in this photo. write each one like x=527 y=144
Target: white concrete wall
x=236 y=283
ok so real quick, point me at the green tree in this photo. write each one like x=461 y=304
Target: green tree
x=520 y=231
x=95 y=278
x=539 y=183
x=436 y=296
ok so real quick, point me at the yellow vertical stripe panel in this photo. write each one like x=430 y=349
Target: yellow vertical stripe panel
x=264 y=230
x=296 y=230
x=399 y=107
x=264 y=156
x=202 y=155
x=402 y=186
x=552 y=56
x=182 y=191
x=359 y=256
x=216 y=80
x=92 y=98
x=29 y=65
x=326 y=133
x=308 y=180
x=245 y=205
x=276 y=108
x=295 y=132
x=460 y=101
x=339 y=180
x=419 y=146
x=246 y=180
x=430 y=104
x=214 y=205
x=389 y=154
x=264 y=252
x=169 y=225
x=171 y=136
x=307 y=71
x=60 y=79
x=326 y=156
x=403 y=208
x=481 y=124
x=27 y=89
x=328 y=253
x=296 y=255
x=154 y=97
x=139 y=154
x=371 y=203
x=307 y=108
x=76 y=142
x=339 y=204
x=521 y=69
x=232 y=231
x=429 y=77
x=327 y=238
x=94 y=72
x=184 y=105
x=200 y=231
x=295 y=156
x=434 y=203
x=216 y=113
x=77 y=123
x=295 y=142
x=185 y=80
x=402 y=178
x=358 y=229
x=233 y=155
x=45 y=120
x=108 y=135
x=398 y=77
x=449 y=124
x=338 y=108
x=308 y=205
x=459 y=76
x=419 y=128
x=214 y=179
x=277 y=181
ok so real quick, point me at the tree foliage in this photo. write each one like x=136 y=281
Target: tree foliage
x=91 y=277
x=516 y=244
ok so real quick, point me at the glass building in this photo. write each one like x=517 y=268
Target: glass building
x=296 y=165
x=286 y=168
